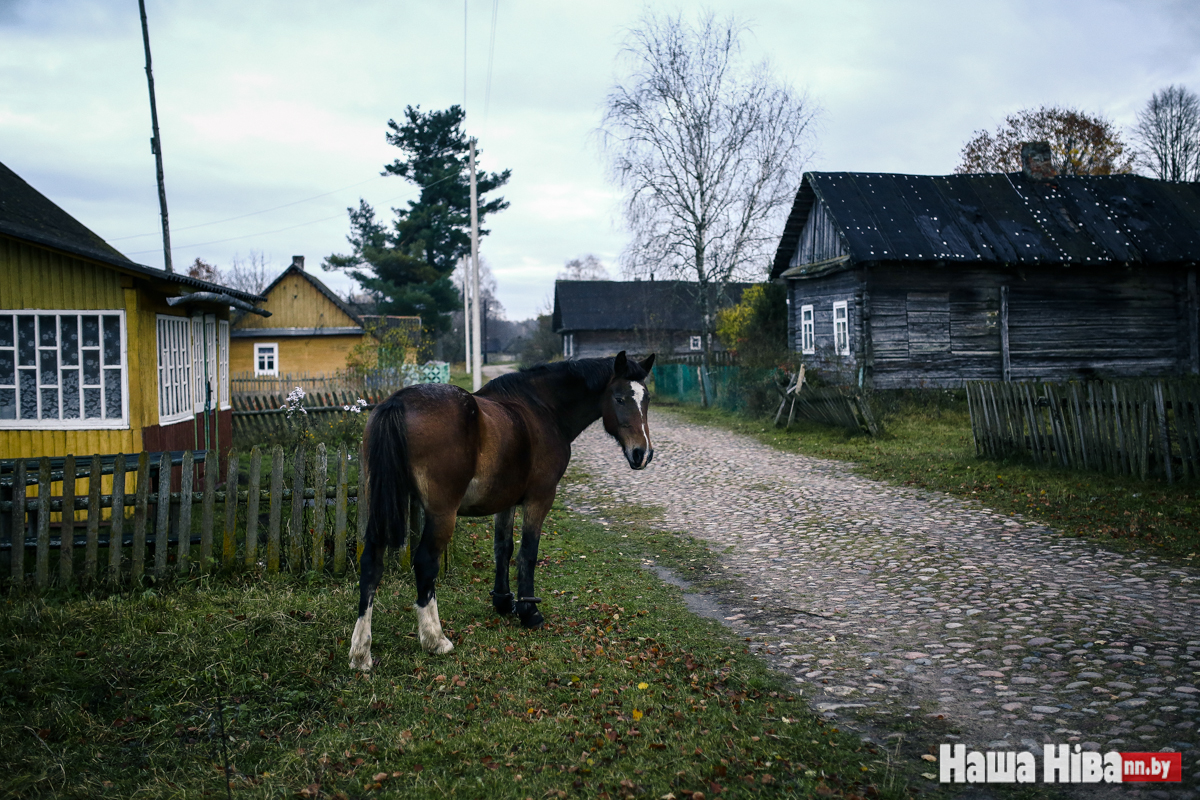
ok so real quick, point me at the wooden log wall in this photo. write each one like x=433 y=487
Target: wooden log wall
x=1143 y=428
x=201 y=528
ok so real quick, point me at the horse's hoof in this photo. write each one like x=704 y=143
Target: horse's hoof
x=441 y=648
x=533 y=621
x=361 y=662
x=503 y=603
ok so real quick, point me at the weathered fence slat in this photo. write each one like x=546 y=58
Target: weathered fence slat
x=252 y=499
x=207 y=510
x=42 y=576
x=360 y=526
x=273 y=542
x=117 y=531
x=92 y=552
x=20 y=490
x=187 y=475
x=66 y=561
x=296 y=530
x=339 y=514
x=163 y=523
x=320 y=467
x=141 y=512
x=229 y=541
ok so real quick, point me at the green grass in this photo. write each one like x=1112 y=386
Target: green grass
x=625 y=693
x=928 y=444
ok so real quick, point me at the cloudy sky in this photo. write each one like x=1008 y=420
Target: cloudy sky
x=273 y=112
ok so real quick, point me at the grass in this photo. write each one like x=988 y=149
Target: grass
x=927 y=444
x=624 y=694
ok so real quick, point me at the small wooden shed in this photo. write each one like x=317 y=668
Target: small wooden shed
x=99 y=354
x=601 y=318
x=932 y=280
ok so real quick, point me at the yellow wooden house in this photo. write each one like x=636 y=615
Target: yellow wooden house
x=99 y=354
x=311 y=330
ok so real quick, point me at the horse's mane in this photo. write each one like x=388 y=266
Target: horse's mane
x=594 y=373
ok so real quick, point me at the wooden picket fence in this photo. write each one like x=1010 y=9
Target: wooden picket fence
x=300 y=513
x=1143 y=428
x=258 y=416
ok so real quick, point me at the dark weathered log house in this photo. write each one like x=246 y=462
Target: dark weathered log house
x=921 y=280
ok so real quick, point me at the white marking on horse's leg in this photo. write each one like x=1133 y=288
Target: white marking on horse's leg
x=429 y=630
x=360 y=642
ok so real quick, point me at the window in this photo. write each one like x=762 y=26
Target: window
x=63 y=369
x=568 y=345
x=694 y=344
x=266 y=359
x=808 y=338
x=223 y=361
x=174 y=369
x=841 y=329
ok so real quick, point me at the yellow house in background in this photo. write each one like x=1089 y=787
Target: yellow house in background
x=99 y=354
x=311 y=330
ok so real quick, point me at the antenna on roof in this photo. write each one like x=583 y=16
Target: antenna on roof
x=156 y=145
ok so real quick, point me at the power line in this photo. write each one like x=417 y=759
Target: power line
x=465 y=54
x=252 y=213
x=487 y=96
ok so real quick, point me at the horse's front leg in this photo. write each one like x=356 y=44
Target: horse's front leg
x=434 y=540
x=370 y=573
x=531 y=533
x=502 y=598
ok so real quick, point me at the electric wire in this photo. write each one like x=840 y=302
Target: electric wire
x=487 y=95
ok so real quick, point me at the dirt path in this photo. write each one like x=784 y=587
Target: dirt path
x=908 y=613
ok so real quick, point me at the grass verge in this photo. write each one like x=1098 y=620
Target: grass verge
x=154 y=693
x=928 y=444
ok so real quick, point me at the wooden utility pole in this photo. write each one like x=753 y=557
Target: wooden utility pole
x=466 y=289
x=477 y=354
x=156 y=145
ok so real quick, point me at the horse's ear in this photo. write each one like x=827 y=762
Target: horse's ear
x=620 y=365
x=648 y=362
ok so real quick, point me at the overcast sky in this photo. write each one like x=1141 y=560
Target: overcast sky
x=273 y=113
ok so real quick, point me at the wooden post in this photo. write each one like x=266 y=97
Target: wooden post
x=361 y=518
x=229 y=542
x=296 y=529
x=339 y=514
x=116 y=533
x=1005 y=359
x=252 y=499
x=212 y=466
x=66 y=550
x=92 y=553
x=1193 y=322
x=273 y=543
x=20 y=479
x=43 y=524
x=141 y=512
x=162 y=529
x=187 y=474
x=1164 y=436
x=318 y=538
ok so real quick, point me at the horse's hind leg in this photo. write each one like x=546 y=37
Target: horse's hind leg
x=371 y=572
x=438 y=529
x=502 y=598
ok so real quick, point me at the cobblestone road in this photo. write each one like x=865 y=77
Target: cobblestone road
x=886 y=601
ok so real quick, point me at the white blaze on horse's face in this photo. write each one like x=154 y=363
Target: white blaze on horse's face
x=626 y=413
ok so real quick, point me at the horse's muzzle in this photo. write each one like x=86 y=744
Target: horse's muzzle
x=639 y=458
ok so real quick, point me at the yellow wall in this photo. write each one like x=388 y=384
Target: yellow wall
x=296 y=303
x=37 y=278
x=312 y=355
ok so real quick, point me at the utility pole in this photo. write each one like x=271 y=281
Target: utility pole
x=466 y=289
x=477 y=373
x=156 y=145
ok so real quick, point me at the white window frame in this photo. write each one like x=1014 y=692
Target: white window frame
x=223 y=362
x=274 y=355
x=841 y=328
x=568 y=345
x=694 y=343
x=174 y=369
x=59 y=423
x=808 y=329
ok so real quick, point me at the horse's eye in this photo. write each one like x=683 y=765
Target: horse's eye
x=621 y=401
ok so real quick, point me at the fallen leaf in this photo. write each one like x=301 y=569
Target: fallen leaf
x=928 y=757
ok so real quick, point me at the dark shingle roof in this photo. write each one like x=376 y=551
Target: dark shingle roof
x=629 y=305
x=1001 y=218
x=27 y=214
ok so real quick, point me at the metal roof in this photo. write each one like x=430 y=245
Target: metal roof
x=27 y=214
x=1001 y=218
x=629 y=305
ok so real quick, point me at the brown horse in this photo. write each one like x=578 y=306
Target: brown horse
x=485 y=454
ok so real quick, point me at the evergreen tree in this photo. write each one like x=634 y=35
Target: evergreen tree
x=406 y=267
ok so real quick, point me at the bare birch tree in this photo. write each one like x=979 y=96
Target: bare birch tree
x=708 y=149
x=1167 y=133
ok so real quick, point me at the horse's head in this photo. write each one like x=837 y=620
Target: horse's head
x=626 y=409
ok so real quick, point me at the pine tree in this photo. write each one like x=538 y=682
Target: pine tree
x=407 y=267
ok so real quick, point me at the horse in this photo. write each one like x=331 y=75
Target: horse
x=455 y=453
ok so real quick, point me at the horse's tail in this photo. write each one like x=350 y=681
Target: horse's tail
x=389 y=478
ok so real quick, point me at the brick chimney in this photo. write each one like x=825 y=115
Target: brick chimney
x=1036 y=163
